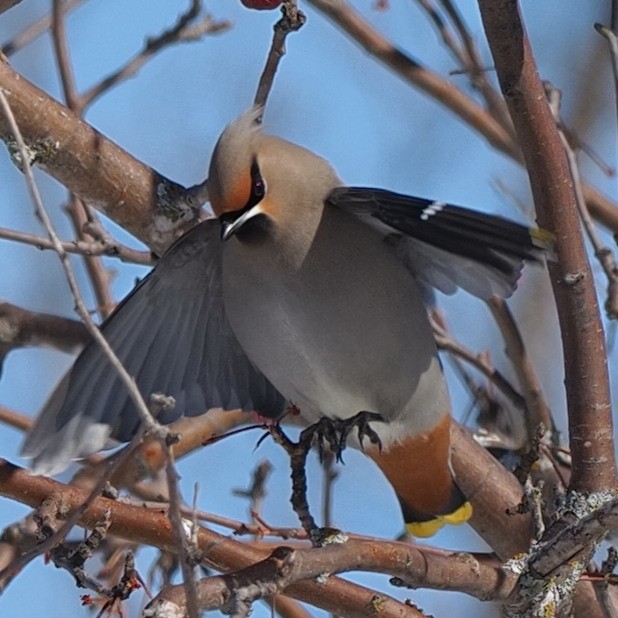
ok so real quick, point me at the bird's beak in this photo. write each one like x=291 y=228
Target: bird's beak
x=232 y=222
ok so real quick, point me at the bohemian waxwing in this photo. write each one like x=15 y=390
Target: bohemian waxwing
x=304 y=292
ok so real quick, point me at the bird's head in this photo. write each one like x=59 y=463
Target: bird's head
x=259 y=184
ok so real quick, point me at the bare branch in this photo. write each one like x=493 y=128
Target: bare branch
x=492 y=490
x=83 y=247
x=151 y=207
x=186 y=553
x=79 y=213
x=21 y=328
x=415 y=565
x=538 y=412
x=601 y=251
x=186 y=29
x=586 y=377
x=413 y=72
x=5 y=5
x=447 y=343
x=291 y=20
x=33 y=31
x=15 y=419
x=148 y=421
x=610 y=36
x=443 y=91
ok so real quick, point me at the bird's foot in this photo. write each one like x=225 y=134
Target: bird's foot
x=334 y=432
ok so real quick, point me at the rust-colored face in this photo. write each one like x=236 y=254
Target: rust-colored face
x=233 y=197
x=264 y=179
x=234 y=157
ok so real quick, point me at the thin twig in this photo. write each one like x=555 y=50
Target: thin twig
x=82 y=247
x=445 y=32
x=537 y=410
x=478 y=73
x=601 y=251
x=79 y=213
x=14 y=419
x=149 y=423
x=256 y=491
x=611 y=37
x=185 y=553
x=291 y=20
x=468 y=58
x=186 y=29
x=478 y=361
x=577 y=143
x=33 y=31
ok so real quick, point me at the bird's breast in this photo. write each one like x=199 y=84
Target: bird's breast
x=343 y=332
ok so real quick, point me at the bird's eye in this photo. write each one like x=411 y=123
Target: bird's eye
x=258 y=186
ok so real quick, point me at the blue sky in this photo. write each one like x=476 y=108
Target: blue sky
x=333 y=98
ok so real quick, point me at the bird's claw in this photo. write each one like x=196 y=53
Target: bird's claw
x=334 y=432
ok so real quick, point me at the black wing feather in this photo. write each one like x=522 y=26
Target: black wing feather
x=172 y=335
x=429 y=236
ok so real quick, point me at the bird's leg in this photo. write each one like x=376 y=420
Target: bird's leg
x=298 y=452
x=333 y=432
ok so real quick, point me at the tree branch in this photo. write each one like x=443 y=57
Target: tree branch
x=414 y=565
x=443 y=91
x=149 y=206
x=20 y=328
x=586 y=377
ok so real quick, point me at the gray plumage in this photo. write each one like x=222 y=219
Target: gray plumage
x=173 y=336
x=314 y=299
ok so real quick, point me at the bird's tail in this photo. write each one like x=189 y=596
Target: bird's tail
x=418 y=468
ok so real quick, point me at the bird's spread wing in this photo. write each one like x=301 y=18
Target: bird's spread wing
x=447 y=246
x=172 y=335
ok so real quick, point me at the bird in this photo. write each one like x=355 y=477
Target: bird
x=301 y=291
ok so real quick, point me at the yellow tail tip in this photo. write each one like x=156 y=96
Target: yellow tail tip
x=424 y=529
x=542 y=236
x=460 y=516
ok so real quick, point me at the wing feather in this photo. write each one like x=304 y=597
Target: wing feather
x=447 y=246
x=173 y=336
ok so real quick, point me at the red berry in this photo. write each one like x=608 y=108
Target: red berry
x=261 y=5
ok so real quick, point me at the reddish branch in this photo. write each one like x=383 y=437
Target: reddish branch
x=21 y=328
x=586 y=377
x=414 y=565
x=149 y=206
x=492 y=490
